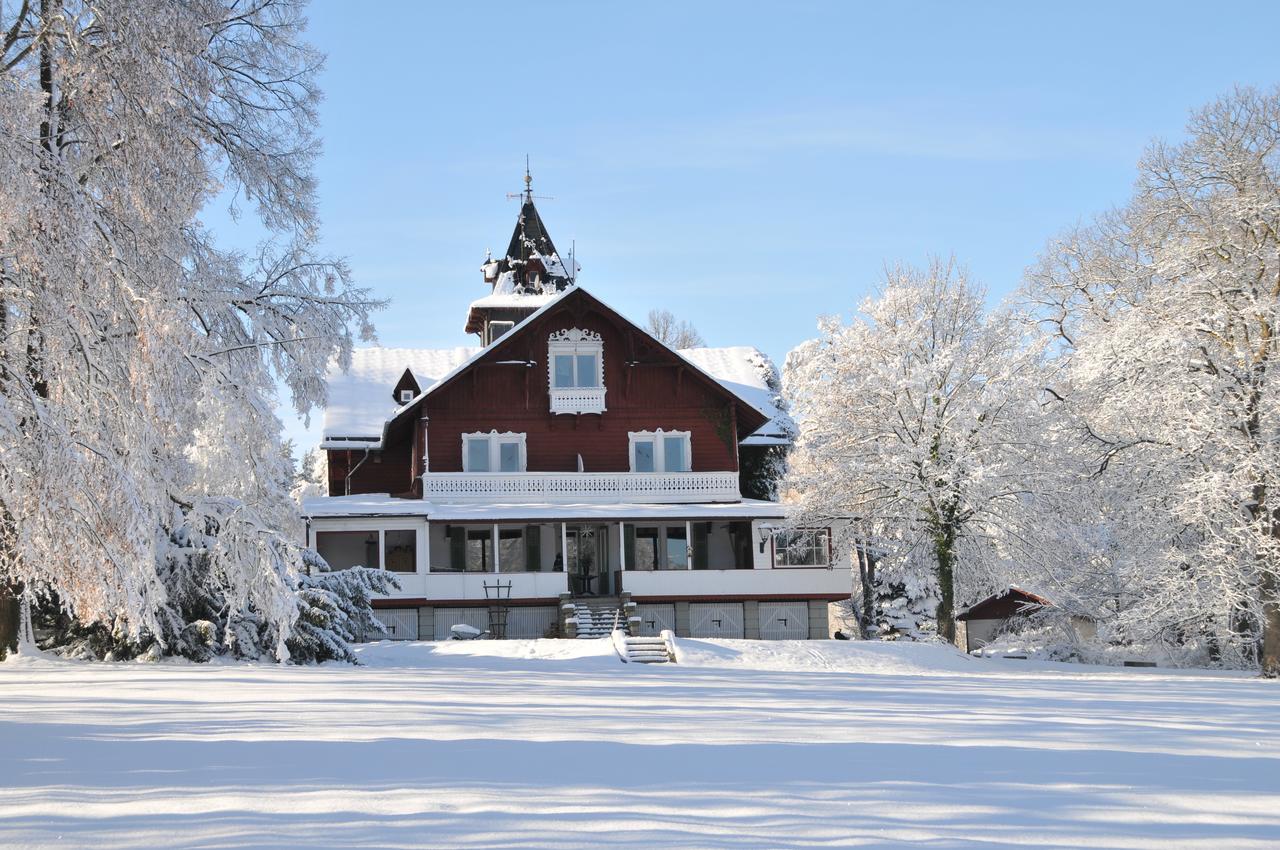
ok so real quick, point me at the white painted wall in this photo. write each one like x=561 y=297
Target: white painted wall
x=753 y=582
x=471 y=585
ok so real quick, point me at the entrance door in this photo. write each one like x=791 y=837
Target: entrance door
x=588 y=560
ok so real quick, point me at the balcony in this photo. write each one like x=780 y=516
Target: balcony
x=577 y=400
x=577 y=487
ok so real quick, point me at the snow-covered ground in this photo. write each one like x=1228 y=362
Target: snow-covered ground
x=526 y=744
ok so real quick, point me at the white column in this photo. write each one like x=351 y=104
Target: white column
x=622 y=547
x=382 y=549
x=688 y=545
x=564 y=549
x=493 y=536
x=424 y=548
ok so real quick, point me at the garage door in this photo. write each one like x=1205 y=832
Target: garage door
x=530 y=622
x=715 y=619
x=655 y=618
x=400 y=623
x=446 y=618
x=784 y=620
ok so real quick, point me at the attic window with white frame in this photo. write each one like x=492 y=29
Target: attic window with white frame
x=494 y=452
x=494 y=330
x=406 y=396
x=575 y=371
x=659 y=451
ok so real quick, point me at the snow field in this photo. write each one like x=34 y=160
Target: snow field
x=524 y=744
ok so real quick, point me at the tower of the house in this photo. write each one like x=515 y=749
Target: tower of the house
x=530 y=275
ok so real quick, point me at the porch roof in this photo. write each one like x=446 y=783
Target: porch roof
x=382 y=504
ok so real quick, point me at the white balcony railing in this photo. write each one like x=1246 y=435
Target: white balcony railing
x=577 y=400
x=662 y=487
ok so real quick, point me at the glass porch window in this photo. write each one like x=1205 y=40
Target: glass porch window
x=646 y=549
x=512 y=551
x=479 y=550
x=342 y=550
x=801 y=548
x=400 y=550
x=677 y=548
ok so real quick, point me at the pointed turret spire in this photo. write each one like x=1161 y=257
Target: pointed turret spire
x=531 y=271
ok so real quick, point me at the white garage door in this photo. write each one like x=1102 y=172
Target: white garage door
x=400 y=623
x=530 y=621
x=447 y=618
x=655 y=618
x=715 y=619
x=784 y=620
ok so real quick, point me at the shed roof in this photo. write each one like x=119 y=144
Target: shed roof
x=1005 y=604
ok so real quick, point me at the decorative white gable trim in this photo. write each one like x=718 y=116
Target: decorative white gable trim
x=587 y=394
x=576 y=335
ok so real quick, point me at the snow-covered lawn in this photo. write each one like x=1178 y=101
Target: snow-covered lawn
x=557 y=744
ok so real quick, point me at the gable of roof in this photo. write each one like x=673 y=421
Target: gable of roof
x=360 y=406
x=750 y=416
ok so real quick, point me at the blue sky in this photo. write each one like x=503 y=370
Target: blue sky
x=749 y=167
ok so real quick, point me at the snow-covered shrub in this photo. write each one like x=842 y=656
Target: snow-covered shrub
x=336 y=610
x=200 y=621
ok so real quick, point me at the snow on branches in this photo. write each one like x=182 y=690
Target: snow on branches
x=138 y=360
x=1166 y=311
x=915 y=425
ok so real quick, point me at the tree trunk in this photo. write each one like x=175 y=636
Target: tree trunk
x=1270 y=626
x=946 y=616
x=867 y=572
x=8 y=621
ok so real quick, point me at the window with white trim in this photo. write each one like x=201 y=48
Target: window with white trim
x=659 y=451
x=406 y=396
x=802 y=547
x=494 y=452
x=575 y=371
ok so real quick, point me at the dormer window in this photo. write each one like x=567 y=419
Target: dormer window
x=494 y=452
x=575 y=371
x=659 y=451
x=406 y=396
x=496 y=330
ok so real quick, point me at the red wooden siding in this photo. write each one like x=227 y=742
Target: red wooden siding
x=647 y=387
x=659 y=391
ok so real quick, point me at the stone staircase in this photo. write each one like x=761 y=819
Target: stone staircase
x=646 y=650
x=597 y=618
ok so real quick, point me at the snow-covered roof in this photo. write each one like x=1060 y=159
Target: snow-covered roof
x=381 y=504
x=514 y=299
x=746 y=372
x=366 y=504
x=360 y=400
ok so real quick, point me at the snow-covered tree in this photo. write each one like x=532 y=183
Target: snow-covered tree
x=1167 y=312
x=916 y=422
x=138 y=360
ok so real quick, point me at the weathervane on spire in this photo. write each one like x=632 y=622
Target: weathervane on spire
x=527 y=194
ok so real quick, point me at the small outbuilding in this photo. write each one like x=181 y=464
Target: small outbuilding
x=984 y=620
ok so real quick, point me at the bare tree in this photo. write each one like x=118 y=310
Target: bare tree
x=673 y=332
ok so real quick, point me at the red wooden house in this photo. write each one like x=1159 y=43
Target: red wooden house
x=570 y=465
